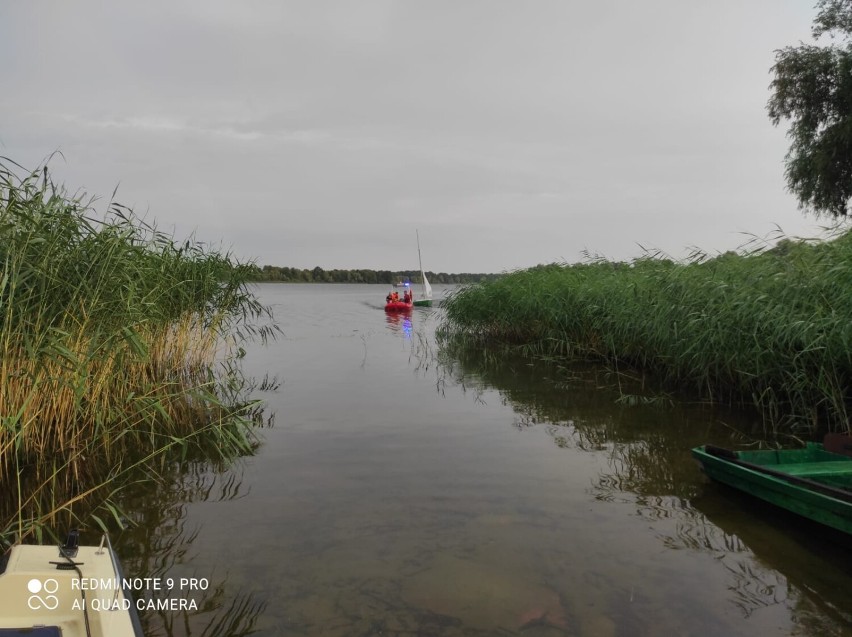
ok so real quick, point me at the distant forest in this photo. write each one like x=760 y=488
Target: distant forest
x=318 y=275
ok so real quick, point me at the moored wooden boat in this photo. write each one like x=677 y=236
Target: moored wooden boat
x=814 y=482
x=67 y=591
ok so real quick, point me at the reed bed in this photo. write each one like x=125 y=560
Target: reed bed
x=770 y=328
x=116 y=341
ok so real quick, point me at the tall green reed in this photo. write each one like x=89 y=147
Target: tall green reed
x=769 y=328
x=116 y=341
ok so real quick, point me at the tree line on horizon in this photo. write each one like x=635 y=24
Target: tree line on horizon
x=319 y=275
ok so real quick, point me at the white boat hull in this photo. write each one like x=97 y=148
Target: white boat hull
x=39 y=589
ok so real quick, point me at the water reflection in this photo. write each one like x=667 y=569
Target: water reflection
x=158 y=544
x=400 y=323
x=774 y=557
x=646 y=445
x=770 y=565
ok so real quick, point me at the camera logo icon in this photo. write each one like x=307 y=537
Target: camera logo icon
x=43 y=594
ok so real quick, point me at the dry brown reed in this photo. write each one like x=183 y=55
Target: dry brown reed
x=116 y=344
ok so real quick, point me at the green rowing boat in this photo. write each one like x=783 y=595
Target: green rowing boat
x=814 y=482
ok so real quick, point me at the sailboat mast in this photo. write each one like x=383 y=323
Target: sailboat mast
x=419 y=259
x=427 y=289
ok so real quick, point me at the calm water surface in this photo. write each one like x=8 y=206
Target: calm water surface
x=402 y=491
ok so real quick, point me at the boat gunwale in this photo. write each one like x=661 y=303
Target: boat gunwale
x=800 y=499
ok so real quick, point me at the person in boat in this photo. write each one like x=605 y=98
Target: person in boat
x=407 y=296
x=389 y=297
x=395 y=296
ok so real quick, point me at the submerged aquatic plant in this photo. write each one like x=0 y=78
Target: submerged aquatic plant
x=116 y=342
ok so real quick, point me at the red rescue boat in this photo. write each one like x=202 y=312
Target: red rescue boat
x=398 y=306
x=393 y=303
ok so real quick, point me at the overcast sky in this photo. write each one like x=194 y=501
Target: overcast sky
x=325 y=133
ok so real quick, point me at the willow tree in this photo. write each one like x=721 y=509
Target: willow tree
x=812 y=88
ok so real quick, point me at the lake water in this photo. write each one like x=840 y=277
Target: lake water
x=405 y=491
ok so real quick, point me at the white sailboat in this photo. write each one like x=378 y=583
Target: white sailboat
x=425 y=299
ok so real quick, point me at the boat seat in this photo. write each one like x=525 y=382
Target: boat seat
x=809 y=469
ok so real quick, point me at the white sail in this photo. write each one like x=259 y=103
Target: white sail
x=427 y=289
